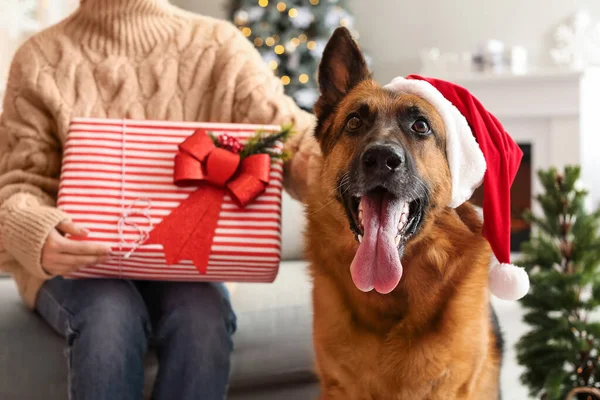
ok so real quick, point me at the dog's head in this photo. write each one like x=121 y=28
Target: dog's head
x=383 y=154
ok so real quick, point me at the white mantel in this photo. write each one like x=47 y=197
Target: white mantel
x=557 y=112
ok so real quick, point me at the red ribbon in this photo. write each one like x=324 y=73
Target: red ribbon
x=188 y=232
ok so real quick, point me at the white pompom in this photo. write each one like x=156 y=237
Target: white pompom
x=508 y=282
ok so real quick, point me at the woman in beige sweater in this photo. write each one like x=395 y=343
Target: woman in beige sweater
x=140 y=59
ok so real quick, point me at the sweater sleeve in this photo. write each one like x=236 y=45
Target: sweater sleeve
x=258 y=97
x=29 y=165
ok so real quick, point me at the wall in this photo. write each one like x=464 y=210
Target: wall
x=393 y=31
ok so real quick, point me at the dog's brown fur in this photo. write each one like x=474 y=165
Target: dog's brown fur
x=432 y=337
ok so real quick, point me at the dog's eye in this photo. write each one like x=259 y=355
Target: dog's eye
x=353 y=123
x=421 y=127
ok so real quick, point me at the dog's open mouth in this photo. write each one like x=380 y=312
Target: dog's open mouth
x=383 y=223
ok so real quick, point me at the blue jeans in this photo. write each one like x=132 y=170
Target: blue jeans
x=109 y=324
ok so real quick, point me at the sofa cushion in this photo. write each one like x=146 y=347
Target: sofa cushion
x=274 y=340
x=292 y=227
x=32 y=363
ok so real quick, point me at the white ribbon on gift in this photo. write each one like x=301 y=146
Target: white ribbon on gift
x=139 y=207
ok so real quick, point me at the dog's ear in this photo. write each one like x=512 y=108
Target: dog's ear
x=342 y=68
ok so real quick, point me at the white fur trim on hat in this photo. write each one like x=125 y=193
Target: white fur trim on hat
x=465 y=159
x=508 y=282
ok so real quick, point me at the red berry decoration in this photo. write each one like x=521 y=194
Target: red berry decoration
x=229 y=143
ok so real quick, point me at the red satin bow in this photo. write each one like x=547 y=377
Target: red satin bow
x=187 y=233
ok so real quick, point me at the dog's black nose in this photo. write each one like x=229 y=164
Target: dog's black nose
x=382 y=158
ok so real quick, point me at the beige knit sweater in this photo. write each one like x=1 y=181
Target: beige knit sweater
x=140 y=59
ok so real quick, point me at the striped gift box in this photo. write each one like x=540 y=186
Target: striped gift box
x=117 y=168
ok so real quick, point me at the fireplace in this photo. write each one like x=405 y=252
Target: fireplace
x=520 y=200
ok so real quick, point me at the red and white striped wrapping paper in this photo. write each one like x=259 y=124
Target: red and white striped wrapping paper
x=94 y=192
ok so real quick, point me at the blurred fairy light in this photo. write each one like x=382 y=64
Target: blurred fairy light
x=279 y=49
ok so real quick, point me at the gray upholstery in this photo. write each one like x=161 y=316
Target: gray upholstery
x=293 y=223
x=272 y=358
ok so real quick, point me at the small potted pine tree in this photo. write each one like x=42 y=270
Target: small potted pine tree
x=561 y=351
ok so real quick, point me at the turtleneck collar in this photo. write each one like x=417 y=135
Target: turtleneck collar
x=124 y=26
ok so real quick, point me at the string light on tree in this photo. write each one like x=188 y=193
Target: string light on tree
x=271 y=59
x=303 y=78
x=290 y=36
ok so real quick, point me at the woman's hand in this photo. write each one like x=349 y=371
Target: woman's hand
x=61 y=255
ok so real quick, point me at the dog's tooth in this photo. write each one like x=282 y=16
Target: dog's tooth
x=360 y=216
x=397 y=240
x=404 y=218
x=359 y=238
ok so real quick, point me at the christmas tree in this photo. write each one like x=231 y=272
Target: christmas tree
x=560 y=352
x=291 y=36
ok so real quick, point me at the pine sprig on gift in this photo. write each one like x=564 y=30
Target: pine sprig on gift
x=263 y=143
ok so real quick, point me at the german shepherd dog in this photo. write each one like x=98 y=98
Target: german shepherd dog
x=421 y=325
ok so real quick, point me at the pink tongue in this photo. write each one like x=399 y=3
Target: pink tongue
x=376 y=264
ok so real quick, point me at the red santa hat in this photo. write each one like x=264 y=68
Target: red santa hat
x=478 y=150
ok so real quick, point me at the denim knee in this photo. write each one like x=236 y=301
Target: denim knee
x=199 y=315
x=110 y=318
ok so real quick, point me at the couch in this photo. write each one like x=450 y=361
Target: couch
x=273 y=356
